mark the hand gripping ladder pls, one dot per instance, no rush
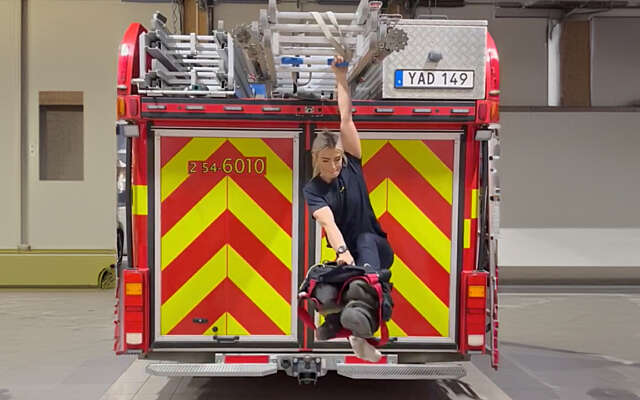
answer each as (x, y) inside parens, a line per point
(185, 65)
(291, 52)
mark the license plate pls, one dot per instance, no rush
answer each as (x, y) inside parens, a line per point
(437, 79)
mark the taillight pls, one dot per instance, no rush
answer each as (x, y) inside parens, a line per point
(121, 108)
(134, 295)
(494, 115)
(475, 304)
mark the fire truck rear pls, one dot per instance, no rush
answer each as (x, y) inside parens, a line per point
(218, 131)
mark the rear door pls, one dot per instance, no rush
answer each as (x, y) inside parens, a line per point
(225, 261)
(413, 180)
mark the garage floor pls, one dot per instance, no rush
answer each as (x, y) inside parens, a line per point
(556, 343)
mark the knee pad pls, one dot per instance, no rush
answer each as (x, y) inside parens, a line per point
(359, 318)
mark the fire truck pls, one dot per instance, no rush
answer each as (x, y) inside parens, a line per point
(218, 130)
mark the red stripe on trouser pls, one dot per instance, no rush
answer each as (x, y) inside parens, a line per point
(283, 148)
(187, 263)
(410, 320)
(388, 163)
(426, 268)
(170, 146)
(443, 149)
(259, 257)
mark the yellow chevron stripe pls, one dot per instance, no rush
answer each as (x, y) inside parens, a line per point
(423, 230)
(259, 291)
(394, 330)
(259, 223)
(474, 203)
(176, 171)
(326, 253)
(432, 169)
(420, 297)
(370, 147)
(234, 327)
(183, 233)
(467, 233)
(221, 324)
(378, 197)
(277, 171)
(180, 304)
(139, 200)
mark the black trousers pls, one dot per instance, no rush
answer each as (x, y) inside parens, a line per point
(374, 250)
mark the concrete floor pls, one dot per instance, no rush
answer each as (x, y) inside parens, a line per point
(569, 344)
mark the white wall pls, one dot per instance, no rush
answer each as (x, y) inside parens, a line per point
(72, 45)
(615, 52)
(10, 123)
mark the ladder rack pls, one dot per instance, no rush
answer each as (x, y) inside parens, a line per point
(185, 65)
(291, 52)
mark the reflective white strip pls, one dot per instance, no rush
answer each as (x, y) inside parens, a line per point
(475, 340)
(134, 338)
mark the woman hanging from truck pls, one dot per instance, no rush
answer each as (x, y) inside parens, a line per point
(338, 199)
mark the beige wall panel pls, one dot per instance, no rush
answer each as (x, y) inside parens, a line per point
(10, 123)
(72, 45)
(570, 170)
(235, 14)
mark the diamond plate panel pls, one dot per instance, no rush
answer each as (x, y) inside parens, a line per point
(222, 370)
(462, 48)
(401, 371)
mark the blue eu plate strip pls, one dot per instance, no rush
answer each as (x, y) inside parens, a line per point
(398, 78)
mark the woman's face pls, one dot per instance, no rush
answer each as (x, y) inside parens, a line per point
(329, 163)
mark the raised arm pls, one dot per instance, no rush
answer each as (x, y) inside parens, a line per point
(348, 131)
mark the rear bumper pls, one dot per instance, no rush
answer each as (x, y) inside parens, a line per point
(305, 366)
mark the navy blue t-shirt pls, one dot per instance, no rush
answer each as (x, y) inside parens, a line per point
(348, 199)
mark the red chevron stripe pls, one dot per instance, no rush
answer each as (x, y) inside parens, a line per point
(410, 320)
(187, 263)
(192, 190)
(283, 148)
(248, 314)
(196, 186)
(211, 308)
(259, 257)
(227, 297)
(388, 163)
(417, 259)
(443, 149)
(140, 240)
(267, 197)
(170, 146)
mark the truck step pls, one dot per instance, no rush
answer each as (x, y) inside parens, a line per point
(211, 369)
(401, 371)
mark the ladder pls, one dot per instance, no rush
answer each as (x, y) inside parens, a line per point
(186, 65)
(290, 53)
